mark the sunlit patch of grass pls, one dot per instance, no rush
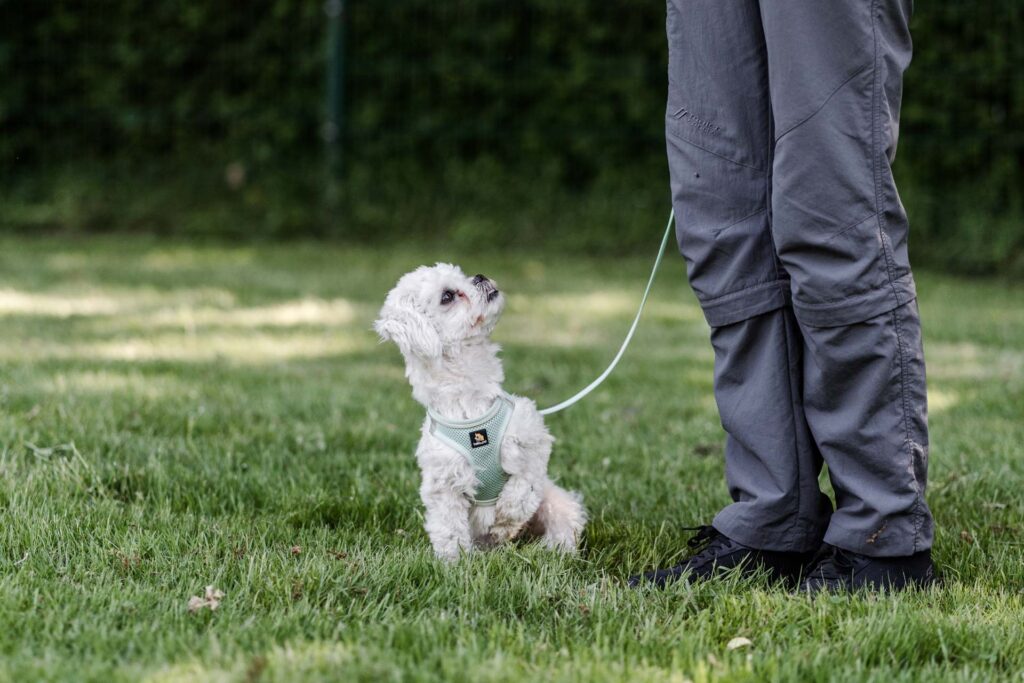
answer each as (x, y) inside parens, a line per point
(585, 320)
(966, 360)
(92, 301)
(941, 400)
(240, 347)
(174, 259)
(57, 305)
(107, 381)
(309, 311)
(601, 305)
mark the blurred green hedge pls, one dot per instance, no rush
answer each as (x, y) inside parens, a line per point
(463, 101)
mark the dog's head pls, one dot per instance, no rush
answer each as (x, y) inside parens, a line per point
(436, 309)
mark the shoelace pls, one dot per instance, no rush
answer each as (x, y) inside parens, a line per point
(835, 567)
(704, 538)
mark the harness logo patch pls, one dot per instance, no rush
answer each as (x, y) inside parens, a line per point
(478, 438)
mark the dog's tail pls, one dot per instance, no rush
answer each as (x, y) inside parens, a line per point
(560, 519)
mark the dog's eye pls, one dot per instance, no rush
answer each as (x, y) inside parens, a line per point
(447, 297)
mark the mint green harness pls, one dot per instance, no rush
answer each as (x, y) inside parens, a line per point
(480, 441)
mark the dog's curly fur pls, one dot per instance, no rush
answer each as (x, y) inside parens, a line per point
(441, 321)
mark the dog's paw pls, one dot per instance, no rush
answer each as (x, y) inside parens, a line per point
(449, 554)
(564, 545)
(487, 542)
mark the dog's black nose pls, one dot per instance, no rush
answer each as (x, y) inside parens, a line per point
(478, 278)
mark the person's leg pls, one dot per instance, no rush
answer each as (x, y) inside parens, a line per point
(772, 462)
(719, 140)
(866, 404)
(835, 70)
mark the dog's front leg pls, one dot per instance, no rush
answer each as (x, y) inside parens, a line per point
(518, 501)
(447, 521)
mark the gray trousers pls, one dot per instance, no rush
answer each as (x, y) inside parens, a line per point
(781, 126)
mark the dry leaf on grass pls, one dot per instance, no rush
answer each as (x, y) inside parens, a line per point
(211, 599)
(737, 643)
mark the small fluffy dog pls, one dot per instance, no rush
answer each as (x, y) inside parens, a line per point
(483, 453)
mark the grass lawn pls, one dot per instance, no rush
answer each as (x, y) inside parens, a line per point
(173, 417)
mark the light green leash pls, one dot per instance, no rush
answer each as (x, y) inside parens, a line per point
(629, 336)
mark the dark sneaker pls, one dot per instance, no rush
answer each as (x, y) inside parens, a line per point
(715, 551)
(843, 571)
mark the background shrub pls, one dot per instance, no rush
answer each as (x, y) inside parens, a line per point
(504, 116)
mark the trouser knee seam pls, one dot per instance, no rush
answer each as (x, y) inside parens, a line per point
(679, 136)
(739, 293)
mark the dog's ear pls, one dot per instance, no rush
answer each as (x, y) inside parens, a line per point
(402, 323)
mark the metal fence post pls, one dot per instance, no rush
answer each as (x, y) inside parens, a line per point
(334, 125)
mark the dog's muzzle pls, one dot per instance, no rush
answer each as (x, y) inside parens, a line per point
(484, 284)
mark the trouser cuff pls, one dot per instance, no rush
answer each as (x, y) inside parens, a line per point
(858, 308)
(894, 538)
(802, 537)
(746, 303)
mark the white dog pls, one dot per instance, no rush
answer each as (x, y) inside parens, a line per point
(483, 453)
